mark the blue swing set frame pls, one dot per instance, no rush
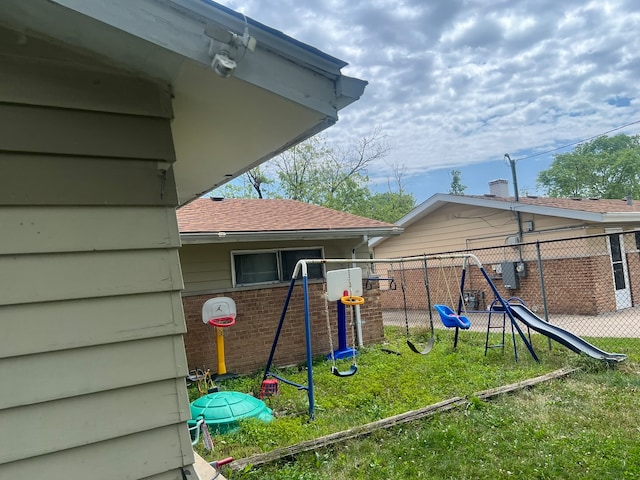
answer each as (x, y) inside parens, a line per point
(455, 319)
(301, 267)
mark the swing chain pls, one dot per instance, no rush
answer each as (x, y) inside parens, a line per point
(325, 294)
(353, 323)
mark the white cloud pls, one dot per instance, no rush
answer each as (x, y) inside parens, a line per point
(461, 82)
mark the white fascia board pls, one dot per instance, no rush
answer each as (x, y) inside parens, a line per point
(279, 64)
(440, 199)
(621, 217)
(557, 212)
(375, 241)
(227, 237)
(430, 204)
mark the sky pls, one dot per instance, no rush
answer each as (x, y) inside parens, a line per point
(456, 84)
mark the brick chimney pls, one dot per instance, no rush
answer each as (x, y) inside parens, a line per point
(499, 187)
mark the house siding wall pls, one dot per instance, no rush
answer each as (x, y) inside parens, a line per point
(90, 308)
(456, 227)
(207, 267)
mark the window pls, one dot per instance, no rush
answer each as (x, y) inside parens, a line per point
(272, 266)
(256, 268)
(291, 257)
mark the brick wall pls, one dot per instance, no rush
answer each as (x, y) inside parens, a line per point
(248, 342)
(633, 263)
(575, 286)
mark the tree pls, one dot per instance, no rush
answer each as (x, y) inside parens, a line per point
(331, 176)
(605, 167)
(253, 184)
(392, 205)
(297, 170)
(456, 188)
(258, 180)
(334, 177)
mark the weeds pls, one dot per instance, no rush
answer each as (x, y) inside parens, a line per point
(582, 427)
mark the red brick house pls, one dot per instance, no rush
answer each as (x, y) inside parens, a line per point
(246, 249)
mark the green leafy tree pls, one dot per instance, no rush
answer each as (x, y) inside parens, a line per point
(388, 206)
(392, 205)
(334, 177)
(605, 167)
(456, 187)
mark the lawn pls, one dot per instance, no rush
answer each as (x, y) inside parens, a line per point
(584, 426)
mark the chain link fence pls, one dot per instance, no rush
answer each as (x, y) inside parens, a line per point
(588, 286)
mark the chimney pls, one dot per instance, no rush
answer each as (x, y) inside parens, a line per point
(499, 187)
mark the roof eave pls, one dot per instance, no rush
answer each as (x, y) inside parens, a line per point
(621, 217)
(227, 237)
(440, 199)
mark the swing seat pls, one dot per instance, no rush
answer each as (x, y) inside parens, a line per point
(451, 319)
(346, 373)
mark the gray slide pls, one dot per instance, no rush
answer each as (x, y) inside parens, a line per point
(568, 339)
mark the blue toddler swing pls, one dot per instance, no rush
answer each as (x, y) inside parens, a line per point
(451, 319)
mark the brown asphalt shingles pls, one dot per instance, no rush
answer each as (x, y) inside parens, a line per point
(265, 215)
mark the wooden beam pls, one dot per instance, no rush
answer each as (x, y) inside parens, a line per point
(362, 430)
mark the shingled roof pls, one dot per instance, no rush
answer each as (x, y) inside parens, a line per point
(244, 216)
(595, 205)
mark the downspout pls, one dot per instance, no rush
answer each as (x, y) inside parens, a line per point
(365, 240)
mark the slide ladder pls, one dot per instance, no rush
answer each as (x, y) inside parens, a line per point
(498, 307)
(495, 326)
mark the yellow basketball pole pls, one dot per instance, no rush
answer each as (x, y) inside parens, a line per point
(222, 367)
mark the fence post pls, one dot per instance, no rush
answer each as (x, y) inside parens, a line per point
(542, 289)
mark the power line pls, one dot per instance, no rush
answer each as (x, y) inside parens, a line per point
(579, 141)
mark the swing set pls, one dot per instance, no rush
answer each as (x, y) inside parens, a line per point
(346, 289)
(349, 295)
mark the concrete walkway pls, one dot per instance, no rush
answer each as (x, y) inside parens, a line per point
(622, 324)
(204, 470)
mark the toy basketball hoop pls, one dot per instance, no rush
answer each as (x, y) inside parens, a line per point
(222, 322)
(220, 312)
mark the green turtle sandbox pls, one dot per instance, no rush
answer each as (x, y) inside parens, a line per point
(223, 410)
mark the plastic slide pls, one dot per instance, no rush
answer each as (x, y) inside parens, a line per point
(564, 337)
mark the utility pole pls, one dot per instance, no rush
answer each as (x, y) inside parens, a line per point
(512, 163)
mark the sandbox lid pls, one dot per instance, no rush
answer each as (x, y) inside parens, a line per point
(222, 410)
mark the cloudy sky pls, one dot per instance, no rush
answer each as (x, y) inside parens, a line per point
(456, 84)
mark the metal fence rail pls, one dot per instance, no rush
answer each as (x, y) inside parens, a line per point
(587, 285)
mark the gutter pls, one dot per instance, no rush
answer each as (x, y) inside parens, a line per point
(227, 237)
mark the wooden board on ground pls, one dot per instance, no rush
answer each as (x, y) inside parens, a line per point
(362, 430)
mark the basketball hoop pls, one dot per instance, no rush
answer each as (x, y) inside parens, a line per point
(222, 322)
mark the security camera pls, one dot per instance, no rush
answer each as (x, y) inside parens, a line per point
(223, 65)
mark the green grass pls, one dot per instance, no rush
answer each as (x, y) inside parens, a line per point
(564, 427)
